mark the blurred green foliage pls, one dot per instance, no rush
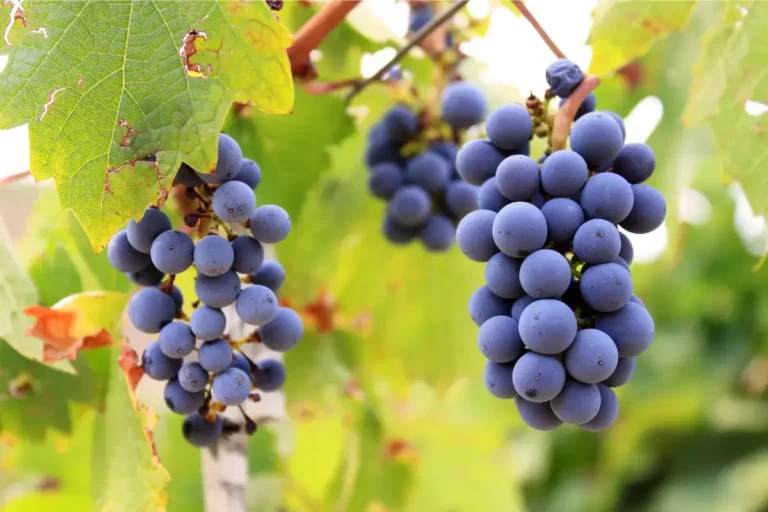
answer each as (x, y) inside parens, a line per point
(387, 409)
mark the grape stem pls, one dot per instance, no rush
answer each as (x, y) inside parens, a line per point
(538, 28)
(567, 112)
(314, 31)
(417, 38)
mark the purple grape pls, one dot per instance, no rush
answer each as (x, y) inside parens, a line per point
(607, 196)
(545, 274)
(151, 309)
(499, 340)
(215, 356)
(592, 357)
(181, 401)
(564, 173)
(157, 365)
(519, 306)
(234, 201)
(498, 379)
(123, 256)
(648, 210)
(623, 372)
(256, 305)
(200, 432)
(519, 229)
(509, 127)
(193, 377)
(631, 328)
(208, 323)
(410, 206)
(548, 326)
(484, 304)
(172, 252)
(385, 179)
(606, 287)
(461, 198)
(176, 340)
(538, 416)
(269, 375)
(271, 274)
(231, 387)
(489, 197)
(283, 332)
(270, 224)
(597, 241)
(538, 378)
(474, 235)
(438, 233)
(564, 217)
(478, 160)
(502, 276)
(248, 254)
(597, 138)
(608, 412)
(563, 76)
(635, 162)
(217, 292)
(517, 177)
(429, 171)
(463, 105)
(213, 256)
(577, 403)
(141, 234)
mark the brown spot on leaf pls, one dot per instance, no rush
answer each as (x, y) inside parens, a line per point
(55, 328)
(130, 132)
(322, 311)
(20, 386)
(129, 362)
(189, 50)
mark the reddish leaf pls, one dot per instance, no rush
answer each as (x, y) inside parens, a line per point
(129, 362)
(57, 330)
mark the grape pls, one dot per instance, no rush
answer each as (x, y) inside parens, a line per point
(623, 264)
(270, 224)
(461, 198)
(606, 287)
(429, 171)
(181, 401)
(123, 256)
(474, 235)
(564, 173)
(588, 105)
(597, 138)
(648, 210)
(484, 304)
(545, 274)
(636, 300)
(445, 149)
(631, 328)
(208, 323)
(200, 432)
(213, 256)
(509, 127)
(538, 378)
(283, 332)
(241, 362)
(438, 233)
(380, 151)
(519, 306)
(250, 173)
(157, 365)
(172, 252)
(608, 412)
(607, 196)
(462, 105)
(271, 275)
(176, 340)
(498, 379)
(215, 356)
(178, 298)
(385, 179)
(148, 276)
(141, 234)
(577, 403)
(397, 233)
(410, 206)
(597, 241)
(564, 217)
(547, 326)
(635, 162)
(231, 387)
(256, 305)
(478, 160)
(623, 372)
(563, 76)
(519, 229)
(502, 276)
(538, 416)
(234, 201)
(616, 117)
(150, 309)
(499, 340)
(627, 252)
(269, 375)
(193, 377)
(187, 176)
(400, 124)
(489, 197)
(420, 16)
(517, 177)
(539, 200)
(217, 292)
(592, 357)
(230, 158)
(248, 255)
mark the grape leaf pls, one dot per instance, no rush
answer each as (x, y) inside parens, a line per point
(622, 31)
(731, 71)
(118, 94)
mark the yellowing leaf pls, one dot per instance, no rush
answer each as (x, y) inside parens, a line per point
(622, 31)
(118, 94)
(77, 322)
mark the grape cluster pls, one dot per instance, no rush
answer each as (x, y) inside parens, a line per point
(425, 193)
(559, 324)
(204, 369)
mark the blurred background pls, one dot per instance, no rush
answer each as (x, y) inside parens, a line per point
(384, 409)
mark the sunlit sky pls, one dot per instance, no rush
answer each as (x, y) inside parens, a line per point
(513, 55)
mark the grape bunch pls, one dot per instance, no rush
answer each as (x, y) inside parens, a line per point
(559, 324)
(424, 190)
(205, 370)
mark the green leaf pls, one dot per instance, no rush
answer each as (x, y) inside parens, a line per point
(55, 276)
(16, 293)
(623, 31)
(127, 473)
(36, 397)
(293, 151)
(729, 72)
(117, 94)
